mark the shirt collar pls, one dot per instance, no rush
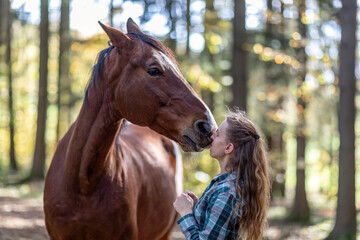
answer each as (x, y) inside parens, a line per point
(231, 175)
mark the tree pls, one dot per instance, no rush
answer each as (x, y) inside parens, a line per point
(38, 166)
(112, 11)
(64, 85)
(300, 210)
(188, 28)
(275, 81)
(210, 23)
(345, 224)
(8, 61)
(239, 61)
(171, 9)
(2, 22)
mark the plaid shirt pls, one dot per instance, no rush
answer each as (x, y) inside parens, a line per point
(213, 216)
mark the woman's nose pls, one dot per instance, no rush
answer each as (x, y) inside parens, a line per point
(213, 137)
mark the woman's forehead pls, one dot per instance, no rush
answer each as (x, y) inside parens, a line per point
(223, 126)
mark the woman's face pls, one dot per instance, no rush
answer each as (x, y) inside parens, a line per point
(219, 144)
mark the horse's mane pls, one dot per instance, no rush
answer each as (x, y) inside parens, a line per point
(98, 67)
(97, 70)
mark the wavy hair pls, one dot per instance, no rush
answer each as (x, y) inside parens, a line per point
(249, 160)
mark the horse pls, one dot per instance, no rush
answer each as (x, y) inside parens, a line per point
(113, 173)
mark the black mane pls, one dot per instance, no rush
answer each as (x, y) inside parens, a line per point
(97, 69)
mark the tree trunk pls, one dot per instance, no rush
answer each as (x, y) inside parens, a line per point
(345, 224)
(268, 30)
(239, 61)
(301, 211)
(13, 163)
(171, 39)
(38, 167)
(210, 23)
(111, 14)
(188, 28)
(64, 84)
(2, 22)
(2, 40)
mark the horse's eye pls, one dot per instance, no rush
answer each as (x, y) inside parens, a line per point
(155, 72)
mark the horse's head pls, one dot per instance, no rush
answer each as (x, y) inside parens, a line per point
(148, 89)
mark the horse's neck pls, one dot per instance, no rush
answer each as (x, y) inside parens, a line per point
(91, 144)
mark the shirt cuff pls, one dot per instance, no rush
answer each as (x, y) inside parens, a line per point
(187, 223)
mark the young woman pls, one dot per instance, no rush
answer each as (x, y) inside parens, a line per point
(234, 204)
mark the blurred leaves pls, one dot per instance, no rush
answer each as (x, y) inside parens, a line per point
(272, 85)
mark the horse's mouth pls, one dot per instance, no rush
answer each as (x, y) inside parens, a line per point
(190, 143)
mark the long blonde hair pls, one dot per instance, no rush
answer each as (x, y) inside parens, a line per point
(249, 160)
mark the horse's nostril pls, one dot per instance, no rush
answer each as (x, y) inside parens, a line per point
(203, 127)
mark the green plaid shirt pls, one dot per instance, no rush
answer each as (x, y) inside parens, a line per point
(213, 216)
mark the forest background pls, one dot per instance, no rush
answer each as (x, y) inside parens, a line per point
(291, 64)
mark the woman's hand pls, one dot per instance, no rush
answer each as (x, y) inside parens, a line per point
(193, 196)
(184, 204)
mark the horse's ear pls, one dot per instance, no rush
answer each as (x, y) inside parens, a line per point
(117, 38)
(132, 27)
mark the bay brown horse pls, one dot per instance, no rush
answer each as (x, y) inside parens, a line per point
(107, 181)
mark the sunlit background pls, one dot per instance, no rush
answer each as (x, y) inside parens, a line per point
(273, 64)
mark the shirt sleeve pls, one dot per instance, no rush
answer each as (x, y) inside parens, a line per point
(217, 222)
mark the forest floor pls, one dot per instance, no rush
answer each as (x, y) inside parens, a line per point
(22, 217)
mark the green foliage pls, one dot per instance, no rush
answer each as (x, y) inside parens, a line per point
(199, 169)
(272, 92)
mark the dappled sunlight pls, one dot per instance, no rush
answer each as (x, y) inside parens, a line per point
(22, 217)
(280, 227)
(290, 69)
